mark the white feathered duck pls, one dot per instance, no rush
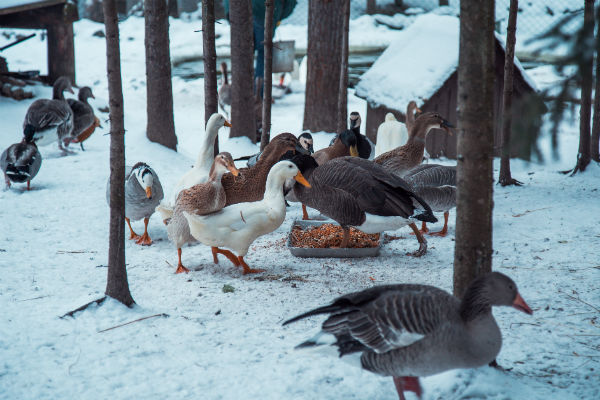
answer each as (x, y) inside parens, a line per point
(393, 133)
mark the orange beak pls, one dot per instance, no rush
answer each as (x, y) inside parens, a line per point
(301, 179)
(520, 305)
(149, 192)
(233, 169)
(227, 124)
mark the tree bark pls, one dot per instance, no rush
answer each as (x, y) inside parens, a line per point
(371, 7)
(211, 99)
(61, 51)
(268, 84)
(473, 245)
(159, 102)
(595, 144)
(509, 67)
(117, 286)
(325, 32)
(342, 114)
(242, 71)
(443, 2)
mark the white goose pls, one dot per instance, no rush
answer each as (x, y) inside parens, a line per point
(201, 169)
(393, 133)
(238, 225)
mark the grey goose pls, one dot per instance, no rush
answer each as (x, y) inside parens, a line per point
(85, 121)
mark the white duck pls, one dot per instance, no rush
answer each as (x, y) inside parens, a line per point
(201, 169)
(238, 225)
(393, 133)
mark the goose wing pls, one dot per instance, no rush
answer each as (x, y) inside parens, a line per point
(44, 114)
(431, 175)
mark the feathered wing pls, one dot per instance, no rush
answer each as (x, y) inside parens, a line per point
(431, 175)
(83, 116)
(46, 114)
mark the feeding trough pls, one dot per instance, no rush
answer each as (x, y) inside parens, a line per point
(301, 246)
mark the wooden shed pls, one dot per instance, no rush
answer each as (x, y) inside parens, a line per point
(56, 17)
(422, 65)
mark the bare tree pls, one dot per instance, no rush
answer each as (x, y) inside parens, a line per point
(509, 67)
(159, 102)
(342, 114)
(209, 55)
(473, 246)
(268, 84)
(242, 56)
(325, 35)
(595, 143)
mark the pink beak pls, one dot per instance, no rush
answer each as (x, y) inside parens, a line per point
(520, 305)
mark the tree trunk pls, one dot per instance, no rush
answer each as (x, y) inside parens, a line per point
(342, 114)
(61, 51)
(211, 99)
(116, 286)
(268, 84)
(585, 112)
(473, 245)
(371, 7)
(595, 144)
(443, 2)
(509, 67)
(159, 102)
(242, 71)
(325, 32)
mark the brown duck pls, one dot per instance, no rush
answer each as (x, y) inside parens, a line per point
(403, 158)
(412, 111)
(250, 184)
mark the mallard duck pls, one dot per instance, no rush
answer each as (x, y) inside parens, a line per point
(143, 192)
(224, 90)
(238, 225)
(20, 163)
(344, 145)
(403, 158)
(84, 120)
(357, 192)
(408, 331)
(201, 169)
(250, 184)
(201, 199)
(47, 121)
(436, 184)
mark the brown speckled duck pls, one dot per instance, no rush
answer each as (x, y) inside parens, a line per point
(201, 199)
(84, 120)
(403, 158)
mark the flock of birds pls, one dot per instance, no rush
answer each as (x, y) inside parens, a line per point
(404, 331)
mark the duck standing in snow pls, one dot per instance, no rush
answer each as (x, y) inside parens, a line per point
(237, 226)
(47, 121)
(201, 199)
(84, 120)
(20, 163)
(143, 192)
(408, 331)
(390, 134)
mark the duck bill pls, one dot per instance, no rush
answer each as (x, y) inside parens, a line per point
(353, 151)
(149, 192)
(227, 124)
(233, 170)
(446, 126)
(520, 305)
(301, 179)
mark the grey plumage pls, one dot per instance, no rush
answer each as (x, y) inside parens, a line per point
(436, 184)
(21, 162)
(83, 113)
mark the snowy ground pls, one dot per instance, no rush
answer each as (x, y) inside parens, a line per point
(216, 345)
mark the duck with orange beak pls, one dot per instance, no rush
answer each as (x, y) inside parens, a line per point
(143, 192)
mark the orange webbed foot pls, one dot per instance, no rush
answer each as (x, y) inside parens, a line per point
(144, 240)
(247, 269)
(180, 269)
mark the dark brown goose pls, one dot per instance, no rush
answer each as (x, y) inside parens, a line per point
(46, 120)
(20, 163)
(436, 184)
(84, 120)
(250, 184)
(344, 144)
(359, 193)
(403, 158)
(409, 331)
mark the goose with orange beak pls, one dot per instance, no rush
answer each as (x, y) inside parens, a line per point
(236, 227)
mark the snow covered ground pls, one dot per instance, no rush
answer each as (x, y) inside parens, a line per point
(216, 345)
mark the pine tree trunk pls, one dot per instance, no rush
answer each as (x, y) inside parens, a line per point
(117, 286)
(159, 102)
(268, 84)
(243, 119)
(325, 35)
(595, 144)
(585, 112)
(473, 246)
(342, 114)
(509, 67)
(211, 99)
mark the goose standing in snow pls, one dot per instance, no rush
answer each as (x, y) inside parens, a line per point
(224, 90)
(85, 121)
(143, 192)
(359, 193)
(201, 199)
(408, 331)
(201, 169)
(20, 163)
(48, 121)
(237, 226)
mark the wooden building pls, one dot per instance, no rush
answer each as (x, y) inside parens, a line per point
(56, 17)
(422, 65)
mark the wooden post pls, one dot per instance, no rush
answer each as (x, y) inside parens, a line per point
(61, 51)
(268, 84)
(342, 115)
(371, 6)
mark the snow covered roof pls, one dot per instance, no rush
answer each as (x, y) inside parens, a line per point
(416, 64)
(9, 6)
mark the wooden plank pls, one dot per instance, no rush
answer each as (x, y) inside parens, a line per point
(61, 52)
(42, 17)
(26, 6)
